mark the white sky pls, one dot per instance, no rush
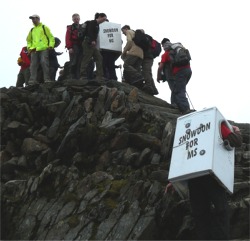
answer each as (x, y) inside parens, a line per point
(216, 32)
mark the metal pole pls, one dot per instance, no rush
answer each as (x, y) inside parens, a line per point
(190, 100)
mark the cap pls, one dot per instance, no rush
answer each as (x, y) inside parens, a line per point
(34, 16)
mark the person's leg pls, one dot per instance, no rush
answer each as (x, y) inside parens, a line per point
(131, 72)
(20, 79)
(149, 86)
(26, 74)
(179, 92)
(88, 54)
(221, 222)
(98, 60)
(78, 61)
(200, 205)
(171, 84)
(34, 64)
(44, 60)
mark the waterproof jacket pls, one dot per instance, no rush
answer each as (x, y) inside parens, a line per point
(165, 58)
(71, 37)
(92, 31)
(25, 58)
(131, 48)
(40, 38)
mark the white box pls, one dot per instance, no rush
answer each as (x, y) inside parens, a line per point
(110, 37)
(198, 150)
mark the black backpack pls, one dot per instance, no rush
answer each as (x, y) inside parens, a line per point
(82, 30)
(155, 48)
(141, 40)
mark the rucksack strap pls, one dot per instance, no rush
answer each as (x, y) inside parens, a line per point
(43, 31)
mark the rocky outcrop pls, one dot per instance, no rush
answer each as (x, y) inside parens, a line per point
(89, 161)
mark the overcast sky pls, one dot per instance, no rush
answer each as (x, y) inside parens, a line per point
(216, 32)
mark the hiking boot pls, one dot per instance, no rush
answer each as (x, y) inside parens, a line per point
(147, 89)
(188, 111)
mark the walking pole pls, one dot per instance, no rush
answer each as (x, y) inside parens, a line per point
(121, 71)
(190, 100)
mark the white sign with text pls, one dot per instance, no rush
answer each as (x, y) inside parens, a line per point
(198, 149)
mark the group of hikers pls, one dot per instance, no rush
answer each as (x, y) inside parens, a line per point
(38, 60)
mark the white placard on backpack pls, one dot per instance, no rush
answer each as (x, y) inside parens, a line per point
(198, 149)
(110, 36)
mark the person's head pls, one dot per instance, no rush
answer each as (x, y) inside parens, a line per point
(165, 40)
(125, 28)
(35, 19)
(165, 43)
(100, 17)
(76, 18)
(57, 42)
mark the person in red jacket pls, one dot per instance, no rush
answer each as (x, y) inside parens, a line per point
(24, 73)
(74, 46)
(177, 77)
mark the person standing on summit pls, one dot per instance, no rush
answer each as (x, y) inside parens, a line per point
(39, 41)
(90, 49)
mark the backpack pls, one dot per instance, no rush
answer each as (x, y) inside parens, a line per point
(82, 30)
(155, 48)
(141, 40)
(179, 55)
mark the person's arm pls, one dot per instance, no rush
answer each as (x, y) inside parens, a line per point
(68, 40)
(159, 72)
(233, 137)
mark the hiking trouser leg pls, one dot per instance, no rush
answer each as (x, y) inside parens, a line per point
(20, 79)
(75, 61)
(221, 221)
(87, 55)
(181, 79)
(132, 65)
(26, 74)
(52, 72)
(44, 60)
(171, 84)
(34, 64)
(147, 64)
(98, 59)
(200, 205)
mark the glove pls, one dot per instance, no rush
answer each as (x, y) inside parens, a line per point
(19, 61)
(235, 140)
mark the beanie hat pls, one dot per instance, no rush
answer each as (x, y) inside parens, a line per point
(165, 40)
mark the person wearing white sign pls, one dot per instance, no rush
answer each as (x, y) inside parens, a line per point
(212, 223)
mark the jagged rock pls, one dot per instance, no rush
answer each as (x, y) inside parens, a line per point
(89, 160)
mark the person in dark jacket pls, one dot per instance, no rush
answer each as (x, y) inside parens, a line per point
(90, 49)
(53, 61)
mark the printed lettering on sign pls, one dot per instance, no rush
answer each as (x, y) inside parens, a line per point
(191, 139)
(110, 34)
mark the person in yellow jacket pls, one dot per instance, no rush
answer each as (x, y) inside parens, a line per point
(39, 41)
